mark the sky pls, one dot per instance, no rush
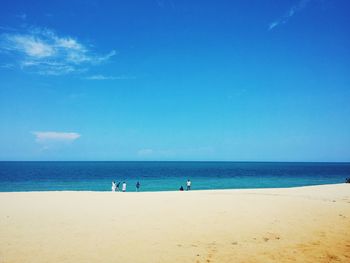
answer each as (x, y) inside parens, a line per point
(167, 80)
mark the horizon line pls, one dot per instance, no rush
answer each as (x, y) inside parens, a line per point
(174, 161)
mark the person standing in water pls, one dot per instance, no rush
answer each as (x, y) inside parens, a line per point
(188, 184)
(113, 186)
(117, 187)
(138, 186)
(124, 187)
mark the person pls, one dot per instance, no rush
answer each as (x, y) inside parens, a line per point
(188, 184)
(117, 186)
(138, 186)
(113, 186)
(181, 188)
(124, 187)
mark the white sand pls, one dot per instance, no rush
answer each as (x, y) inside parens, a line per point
(306, 224)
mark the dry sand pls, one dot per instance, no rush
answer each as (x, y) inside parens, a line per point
(306, 224)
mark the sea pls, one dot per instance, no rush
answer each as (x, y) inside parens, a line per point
(166, 176)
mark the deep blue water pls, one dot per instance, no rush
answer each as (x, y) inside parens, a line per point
(164, 176)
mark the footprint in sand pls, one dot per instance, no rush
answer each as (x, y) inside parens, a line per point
(332, 257)
(271, 236)
(342, 216)
(212, 250)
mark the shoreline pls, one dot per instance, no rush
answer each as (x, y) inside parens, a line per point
(173, 191)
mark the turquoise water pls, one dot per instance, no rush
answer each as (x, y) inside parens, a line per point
(165, 176)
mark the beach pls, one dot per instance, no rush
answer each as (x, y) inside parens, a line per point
(302, 224)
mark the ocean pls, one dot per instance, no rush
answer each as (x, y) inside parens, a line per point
(165, 176)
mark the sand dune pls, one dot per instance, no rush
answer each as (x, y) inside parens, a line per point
(306, 224)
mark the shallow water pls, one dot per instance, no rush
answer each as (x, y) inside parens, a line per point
(165, 176)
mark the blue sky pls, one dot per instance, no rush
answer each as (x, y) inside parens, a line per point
(175, 80)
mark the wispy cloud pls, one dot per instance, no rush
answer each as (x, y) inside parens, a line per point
(53, 136)
(291, 12)
(165, 4)
(172, 153)
(7, 66)
(45, 52)
(7, 28)
(145, 152)
(22, 16)
(103, 77)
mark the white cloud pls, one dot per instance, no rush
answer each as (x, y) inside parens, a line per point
(145, 152)
(44, 52)
(105, 57)
(291, 12)
(53, 136)
(172, 153)
(103, 77)
(31, 46)
(272, 25)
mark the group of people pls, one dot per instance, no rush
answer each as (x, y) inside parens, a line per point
(115, 186)
(188, 185)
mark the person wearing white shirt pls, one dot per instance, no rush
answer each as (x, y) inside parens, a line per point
(124, 187)
(113, 186)
(188, 185)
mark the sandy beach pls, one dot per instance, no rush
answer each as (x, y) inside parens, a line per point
(305, 224)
